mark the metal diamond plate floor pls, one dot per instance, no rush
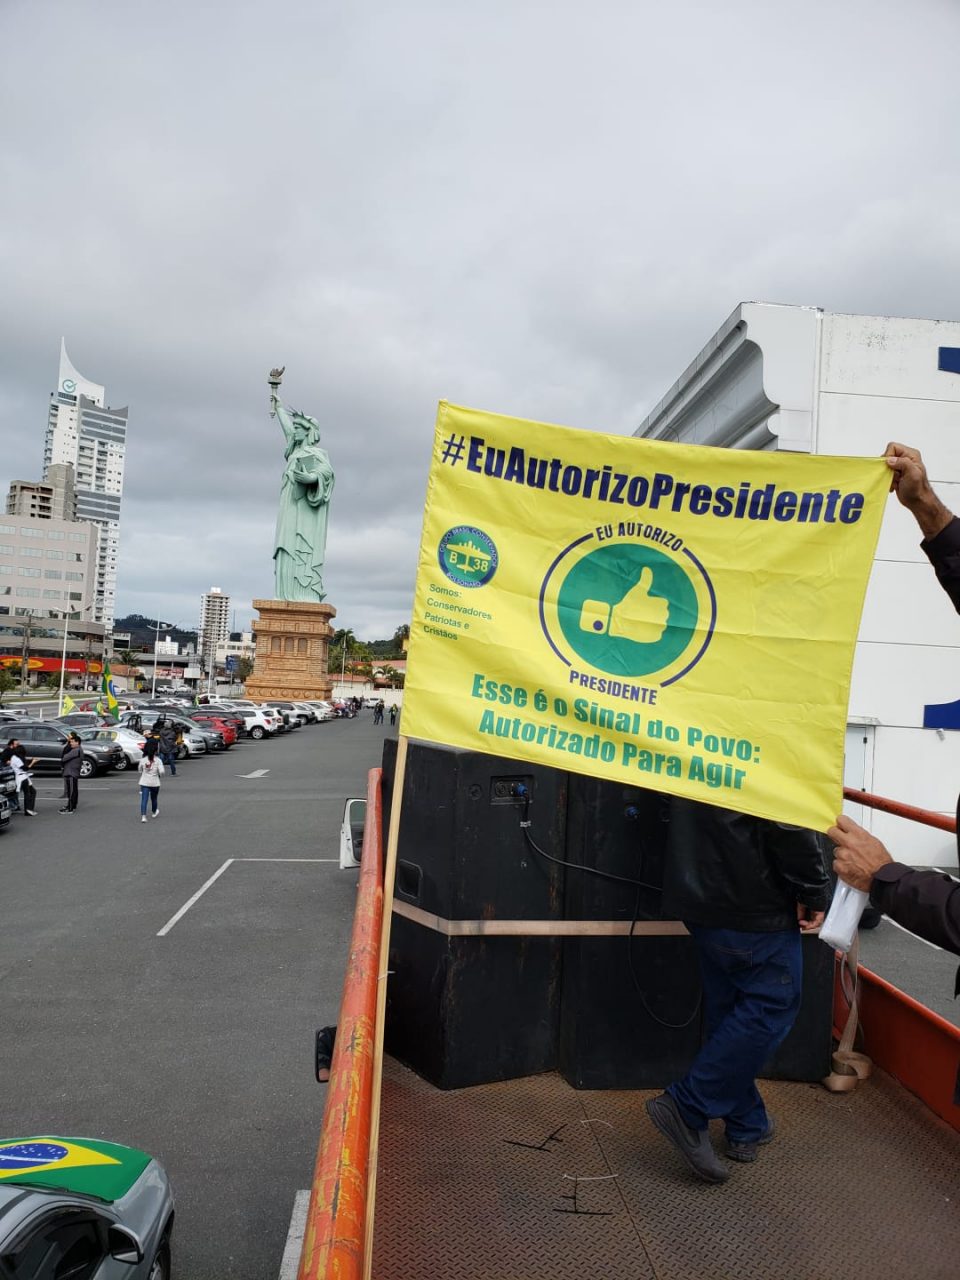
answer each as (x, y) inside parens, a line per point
(532, 1178)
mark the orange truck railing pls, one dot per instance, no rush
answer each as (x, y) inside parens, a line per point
(909, 1041)
(334, 1234)
(915, 1045)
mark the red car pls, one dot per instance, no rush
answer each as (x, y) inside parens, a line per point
(228, 730)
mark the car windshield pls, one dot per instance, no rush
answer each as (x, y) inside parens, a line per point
(98, 735)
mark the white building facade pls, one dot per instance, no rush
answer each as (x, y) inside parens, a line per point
(804, 380)
(83, 431)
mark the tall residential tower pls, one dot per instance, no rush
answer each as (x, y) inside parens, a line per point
(82, 431)
(214, 623)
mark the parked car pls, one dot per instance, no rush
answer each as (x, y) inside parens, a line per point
(83, 1208)
(131, 743)
(208, 720)
(261, 724)
(84, 720)
(8, 783)
(216, 711)
(292, 712)
(324, 710)
(44, 742)
(6, 813)
(212, 737)
(309, 710)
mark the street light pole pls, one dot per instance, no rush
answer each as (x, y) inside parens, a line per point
(67, 615)
(63, 659)
(156, 647)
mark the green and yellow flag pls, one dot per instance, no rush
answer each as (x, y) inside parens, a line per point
(68, 705)
(670, 616)
(111, 708)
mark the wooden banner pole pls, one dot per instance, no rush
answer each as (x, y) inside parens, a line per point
(389, 875)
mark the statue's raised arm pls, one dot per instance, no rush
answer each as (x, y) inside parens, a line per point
(277, 408)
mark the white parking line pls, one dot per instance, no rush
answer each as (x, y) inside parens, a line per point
(294, 1246)
(187, 905)
(216, 876)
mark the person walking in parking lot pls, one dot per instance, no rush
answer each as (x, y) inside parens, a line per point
(168, 746)
(15, 756)
(151, 771)
(70, 761)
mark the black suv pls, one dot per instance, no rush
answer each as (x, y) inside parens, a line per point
(45, 742)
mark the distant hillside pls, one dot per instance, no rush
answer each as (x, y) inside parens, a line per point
(143, 632)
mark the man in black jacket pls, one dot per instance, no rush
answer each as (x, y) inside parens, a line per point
(745, 888)
(925, 902)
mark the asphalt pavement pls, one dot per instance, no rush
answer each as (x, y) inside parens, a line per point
(196, 1046)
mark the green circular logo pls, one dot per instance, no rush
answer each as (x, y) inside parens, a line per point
(627, 609)
(468, 556)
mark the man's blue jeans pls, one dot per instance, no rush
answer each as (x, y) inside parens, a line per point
(751, 997)
(169, 759)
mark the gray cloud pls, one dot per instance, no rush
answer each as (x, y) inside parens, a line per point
(539, 209)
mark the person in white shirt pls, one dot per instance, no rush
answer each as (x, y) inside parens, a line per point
(16, 757)
(151, 771)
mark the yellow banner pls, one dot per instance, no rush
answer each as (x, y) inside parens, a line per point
(669, 616)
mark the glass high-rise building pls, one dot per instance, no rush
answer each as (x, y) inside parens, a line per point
(83, 431)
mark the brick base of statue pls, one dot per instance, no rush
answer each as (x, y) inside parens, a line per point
(291, 654)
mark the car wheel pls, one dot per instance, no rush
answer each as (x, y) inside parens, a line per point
(160, 1267)
(120, 765)
(87, 767)
(257, 731)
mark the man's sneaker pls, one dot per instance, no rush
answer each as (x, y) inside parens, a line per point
(156, 813)
(693, 1144)
(63, 810)
(31, 813)
(143, 817)
(746, 1152)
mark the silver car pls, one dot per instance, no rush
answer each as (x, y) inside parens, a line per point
(83, 1208)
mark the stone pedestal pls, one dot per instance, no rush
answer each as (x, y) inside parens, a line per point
(291, 655)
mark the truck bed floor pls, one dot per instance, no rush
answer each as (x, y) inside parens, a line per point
(532, 1178)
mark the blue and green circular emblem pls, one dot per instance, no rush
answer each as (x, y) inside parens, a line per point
(628, 609)
(468, 556)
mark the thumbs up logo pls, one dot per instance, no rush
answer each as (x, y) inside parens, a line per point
(639, 616)
(627, 609)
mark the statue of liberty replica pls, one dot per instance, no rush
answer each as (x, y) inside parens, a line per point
(293, 629)
(305, 492)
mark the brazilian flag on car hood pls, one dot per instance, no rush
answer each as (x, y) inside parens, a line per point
(81, 1165)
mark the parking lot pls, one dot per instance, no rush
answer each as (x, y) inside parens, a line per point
(196, 1045)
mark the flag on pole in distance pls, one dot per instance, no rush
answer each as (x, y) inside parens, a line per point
(68, 705)
(662, 615)
(109, 696)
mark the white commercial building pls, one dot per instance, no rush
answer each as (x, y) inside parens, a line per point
(92, 437)
(805, 380)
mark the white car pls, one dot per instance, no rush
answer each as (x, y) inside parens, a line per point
(130, 742)
(324, 710)
(309, 710)
(259, 723)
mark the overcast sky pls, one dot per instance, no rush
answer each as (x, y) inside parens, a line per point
(542, 209)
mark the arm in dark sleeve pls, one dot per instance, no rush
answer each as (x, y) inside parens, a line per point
(797, 856)
(925, 902)
(943, 552)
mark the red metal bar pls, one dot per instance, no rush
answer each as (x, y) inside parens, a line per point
(906, 1039)
(926, 816)
(333, 1240)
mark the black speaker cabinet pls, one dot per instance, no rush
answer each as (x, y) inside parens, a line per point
(464, 1007)
(630, 1006)
(806, 1052)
